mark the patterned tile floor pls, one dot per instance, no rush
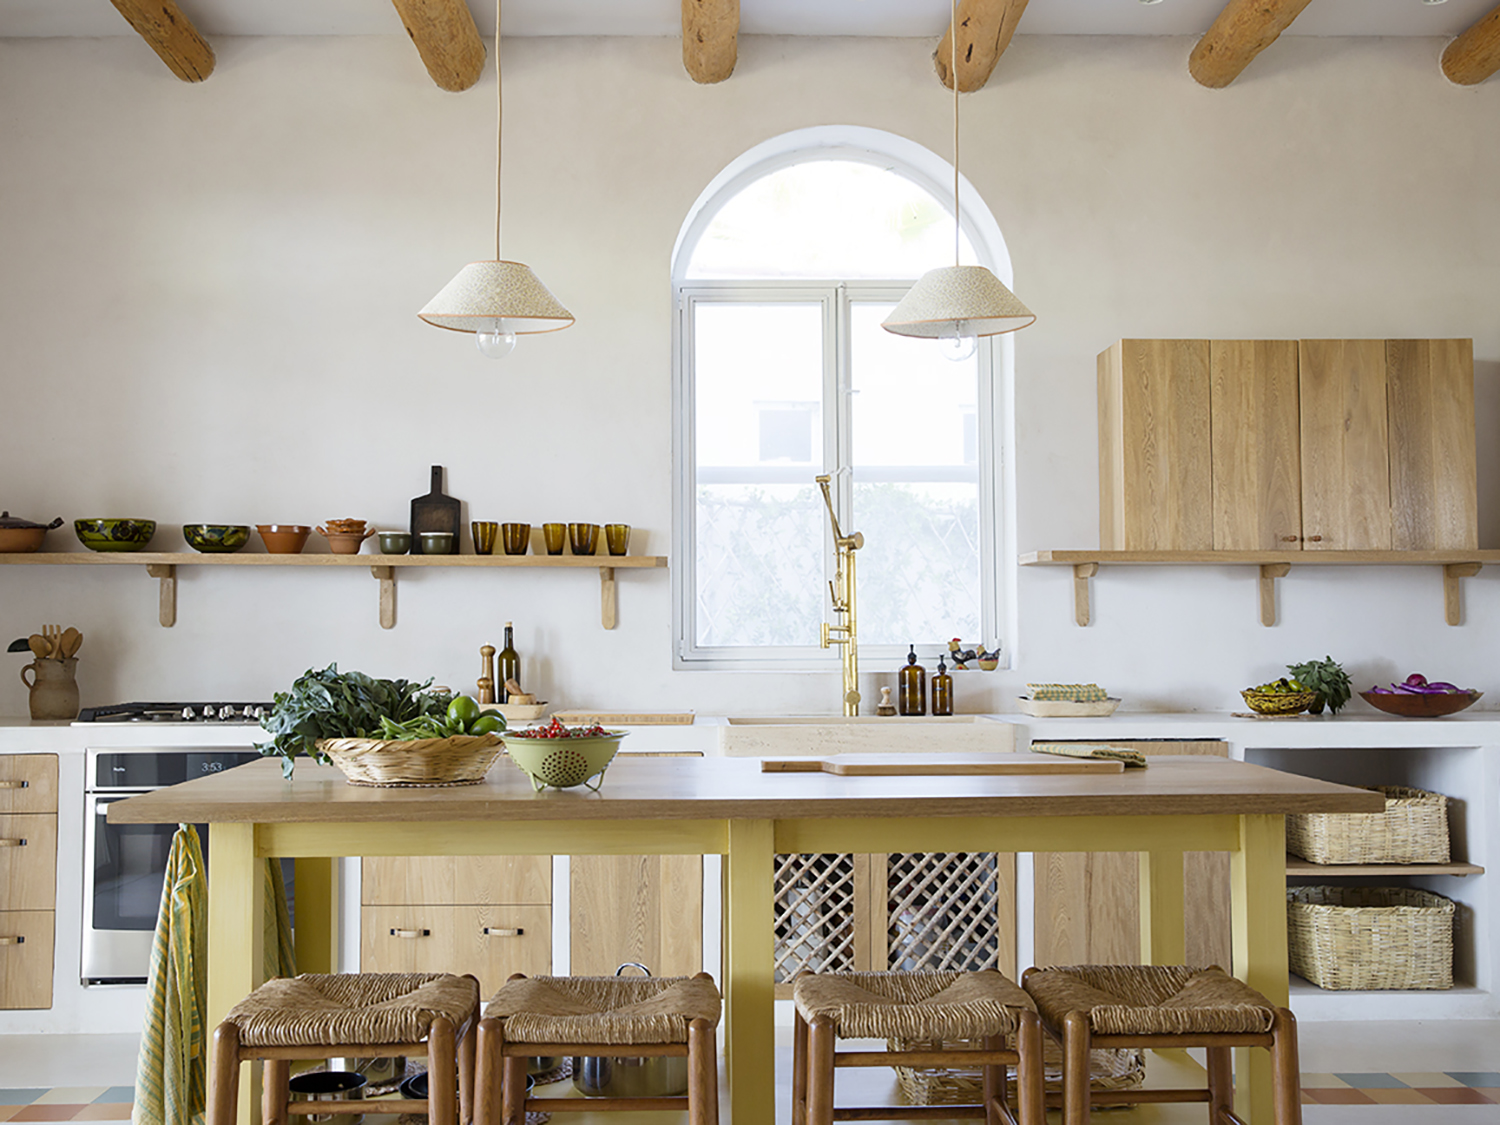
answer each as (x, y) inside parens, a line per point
(67, 1103)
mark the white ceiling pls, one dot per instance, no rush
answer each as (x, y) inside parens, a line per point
(916, 18)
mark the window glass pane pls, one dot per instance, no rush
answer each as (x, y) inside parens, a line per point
(916, 486)
(758, 386)
(828, 219)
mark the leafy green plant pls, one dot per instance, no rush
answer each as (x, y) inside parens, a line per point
(1327, 678)
(334, 704)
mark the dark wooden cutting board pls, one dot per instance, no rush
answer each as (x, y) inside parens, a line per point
(434, 512)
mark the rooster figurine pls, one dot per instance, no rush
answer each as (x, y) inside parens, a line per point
(989, 660)
(960, 655)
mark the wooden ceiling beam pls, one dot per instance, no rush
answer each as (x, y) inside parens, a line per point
(1474, 55)
(1243, 30)
(444, 34)
(171, 35)
(710, 38)
(984, 30)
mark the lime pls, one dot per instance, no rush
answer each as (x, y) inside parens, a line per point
(462, 711)
(488, 723)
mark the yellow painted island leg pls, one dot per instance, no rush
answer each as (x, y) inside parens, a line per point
(749, 969)
(1163, 909)
(317, 930)
(1258, 882)
(236, 936)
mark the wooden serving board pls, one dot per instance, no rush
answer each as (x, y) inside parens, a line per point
(894, 765)
(666, 719)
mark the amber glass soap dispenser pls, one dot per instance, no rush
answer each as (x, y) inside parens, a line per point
(942, 690)
(911, 696)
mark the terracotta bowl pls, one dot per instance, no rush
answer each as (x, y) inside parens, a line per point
(283, 538)
(15, 540)
(345, 542)
(1420, 706)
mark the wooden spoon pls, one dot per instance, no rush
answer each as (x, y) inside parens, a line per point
(71, 639)
(38, 644)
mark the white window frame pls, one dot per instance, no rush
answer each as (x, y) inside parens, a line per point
(998, 579)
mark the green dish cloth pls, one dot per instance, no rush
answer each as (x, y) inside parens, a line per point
(1077, 693)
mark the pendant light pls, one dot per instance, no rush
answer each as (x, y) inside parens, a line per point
(957, 304)
(496, 300)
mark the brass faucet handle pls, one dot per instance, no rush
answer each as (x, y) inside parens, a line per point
(825, 642)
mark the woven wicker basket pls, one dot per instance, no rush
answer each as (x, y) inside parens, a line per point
(1370, 937)
(463, 760)
(964, 1085)
(1413, 829)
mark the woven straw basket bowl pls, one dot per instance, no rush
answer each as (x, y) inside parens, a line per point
(462, 760)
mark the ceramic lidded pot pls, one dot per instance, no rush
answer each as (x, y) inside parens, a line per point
(18, 535)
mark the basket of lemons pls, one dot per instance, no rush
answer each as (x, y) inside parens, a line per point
(1279, 697)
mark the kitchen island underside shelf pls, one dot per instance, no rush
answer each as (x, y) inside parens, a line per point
(163, 566)
(1455, 566)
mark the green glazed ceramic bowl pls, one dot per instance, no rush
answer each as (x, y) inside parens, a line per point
(114, 534)
(216, 538)
(564, 762)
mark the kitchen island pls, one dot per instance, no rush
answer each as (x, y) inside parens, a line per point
(729, 807)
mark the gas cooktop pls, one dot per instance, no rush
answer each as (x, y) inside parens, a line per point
(175, 713)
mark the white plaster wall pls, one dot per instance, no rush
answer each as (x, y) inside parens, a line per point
(208, 296)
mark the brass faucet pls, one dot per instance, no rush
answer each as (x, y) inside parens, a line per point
(841, 591)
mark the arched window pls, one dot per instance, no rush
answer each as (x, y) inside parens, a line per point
(782, 274)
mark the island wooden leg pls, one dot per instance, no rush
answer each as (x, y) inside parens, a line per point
(1258, 882)
(236, 935)
(749, 967)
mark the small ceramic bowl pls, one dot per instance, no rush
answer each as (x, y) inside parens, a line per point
(345, 542)
(395, 542)
(216, 538)
(114, 534)
(436, 542)
(284, 538)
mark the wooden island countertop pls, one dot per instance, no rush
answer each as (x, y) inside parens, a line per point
(728, 807)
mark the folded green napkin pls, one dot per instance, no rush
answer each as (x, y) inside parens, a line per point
(1078, 693)
(1132, 759)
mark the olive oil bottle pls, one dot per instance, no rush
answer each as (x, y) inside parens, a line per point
(510, 666)
(911, 693)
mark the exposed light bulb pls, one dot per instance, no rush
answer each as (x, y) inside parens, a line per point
(955, 346)
(495, 341)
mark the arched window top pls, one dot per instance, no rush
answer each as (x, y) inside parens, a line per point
(834, 202)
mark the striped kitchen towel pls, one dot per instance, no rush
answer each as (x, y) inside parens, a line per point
(1133, 759)
(1078, 693)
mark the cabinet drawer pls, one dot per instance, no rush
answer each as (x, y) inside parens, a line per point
(441, 880)
(28, 862)
(492, 942)
(25, 958)
(28, 783)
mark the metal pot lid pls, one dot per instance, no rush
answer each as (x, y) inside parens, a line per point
(8, 522)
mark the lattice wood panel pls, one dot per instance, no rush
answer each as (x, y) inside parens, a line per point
(944, 911)
(815, 914)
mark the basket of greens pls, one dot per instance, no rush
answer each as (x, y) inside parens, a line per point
(383, 732)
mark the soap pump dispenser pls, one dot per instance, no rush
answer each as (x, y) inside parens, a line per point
(942, 690)
(911, 697)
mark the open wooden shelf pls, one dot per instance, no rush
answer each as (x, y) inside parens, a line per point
(163, 565)
(1455, 565)
(1295, 865)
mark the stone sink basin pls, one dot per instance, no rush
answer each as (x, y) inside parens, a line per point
(772, 736)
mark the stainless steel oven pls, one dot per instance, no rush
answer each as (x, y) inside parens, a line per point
(125, 864)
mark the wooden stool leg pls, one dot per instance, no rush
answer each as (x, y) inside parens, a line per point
(442, 1073)
(1076, 1037)
(1220, 1082)
(513, 1090)
(994, 1083)
(224, 1077)
(1031, 1077)
(466, 1054)
(703, 1074)
(274, 1092)
(489, 1040)
(1285, 1079)
(799, 1069)
(820, 1046)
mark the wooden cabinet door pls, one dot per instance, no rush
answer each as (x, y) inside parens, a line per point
(28, 862)
(1087, 904)
(1346, 491)
(484, 879)
(26, 958)
(492, 942)
(28, 783)
(1257, 474)
(1155, 459)
(1430, 397)
(641, 908)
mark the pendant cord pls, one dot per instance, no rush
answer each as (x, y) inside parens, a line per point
(953, 75)
(500, 113)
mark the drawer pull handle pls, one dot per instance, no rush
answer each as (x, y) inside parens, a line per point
(13, 843)
(15, 784)
(18, 939)
(496, 931)
(411, 933)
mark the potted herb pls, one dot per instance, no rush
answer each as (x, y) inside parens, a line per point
(1328, 679)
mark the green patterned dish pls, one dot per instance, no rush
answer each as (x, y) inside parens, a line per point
(216, 538)
(115, 534)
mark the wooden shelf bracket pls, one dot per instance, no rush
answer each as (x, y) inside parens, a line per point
(608, 605)
(1082, 572)
(1269, 572)
(386, 575)
(167, 611)
(1453, 608)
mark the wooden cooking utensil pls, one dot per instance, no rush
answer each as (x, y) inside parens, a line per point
(38, 644)
(52, 634)
(71, 639)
